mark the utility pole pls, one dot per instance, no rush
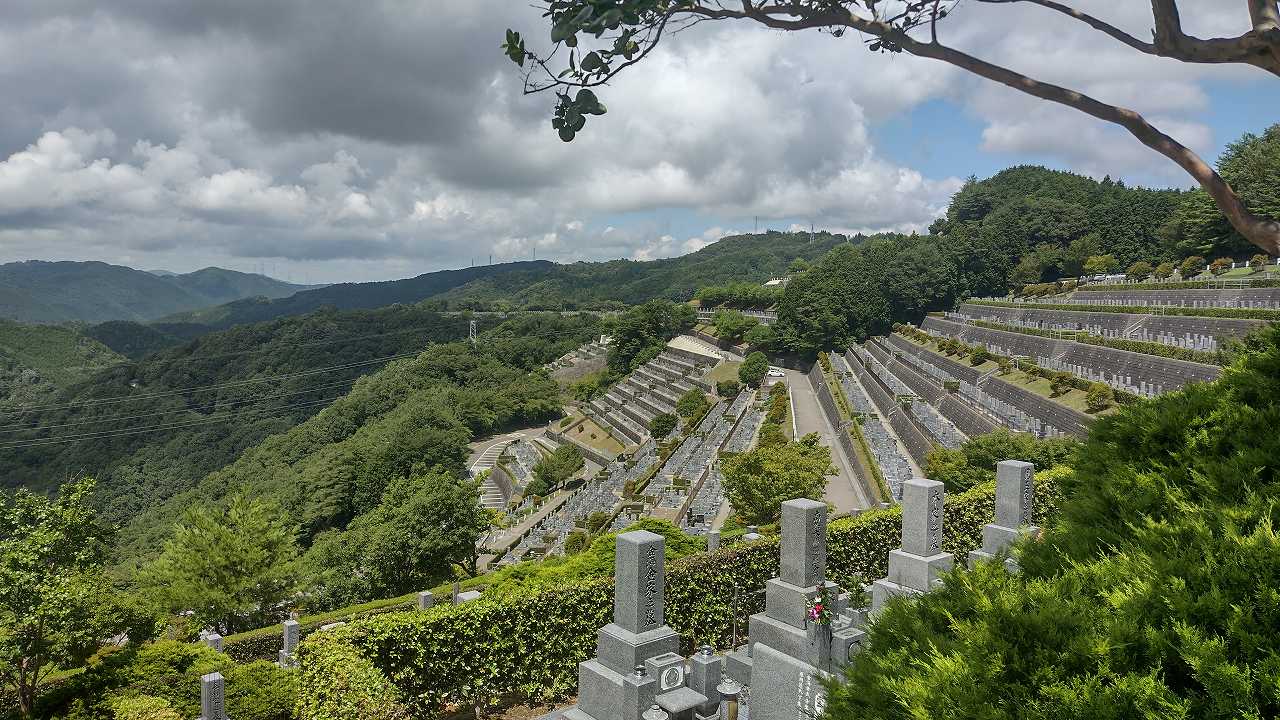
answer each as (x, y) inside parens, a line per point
(810, 232)
(472, 337)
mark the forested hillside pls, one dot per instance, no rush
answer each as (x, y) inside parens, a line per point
(37, 361)
(152, 428)
(545, 285)
(55, 292)
(349, 296)
(740, 258)
(393, 446)
(1023, 225)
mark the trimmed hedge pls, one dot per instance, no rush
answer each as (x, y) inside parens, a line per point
(1154, 348)
(1139, 346)
(1184, 285)
(1235, 313)
(495, 651)
(265, 643)
(339, 683)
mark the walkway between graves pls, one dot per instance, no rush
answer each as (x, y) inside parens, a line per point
(844, 491)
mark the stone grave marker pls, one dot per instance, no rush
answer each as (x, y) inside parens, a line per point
(292, 634)
(426, 600)
(213, 697)
(917, 565)
(1015, 501)
(790, 651)
(637, 664)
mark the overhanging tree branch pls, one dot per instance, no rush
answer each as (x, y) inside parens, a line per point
(1259, 47)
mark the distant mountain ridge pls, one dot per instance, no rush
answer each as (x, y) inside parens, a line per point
(545, 285)
(38, 291)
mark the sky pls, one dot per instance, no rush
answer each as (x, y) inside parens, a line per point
(365, 140)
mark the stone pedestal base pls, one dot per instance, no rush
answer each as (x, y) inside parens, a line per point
(883, 590)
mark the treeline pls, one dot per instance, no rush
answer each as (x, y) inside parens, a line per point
(743, 294)
(1023, 226)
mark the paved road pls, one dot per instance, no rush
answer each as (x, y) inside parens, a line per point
(844, 490)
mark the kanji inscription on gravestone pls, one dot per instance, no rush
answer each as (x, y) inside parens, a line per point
(811, 698)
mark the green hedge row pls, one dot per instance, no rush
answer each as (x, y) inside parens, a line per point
(496, 651)
(339, 683)
(1234, 313)
(1155, 348)
(1184, 285)
(265, 643)
(1139, 346)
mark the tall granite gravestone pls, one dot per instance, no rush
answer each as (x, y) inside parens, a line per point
(789, 653)
(636, 663)
(292, 634)
(213, 697)
(916, 566)
(1015, 501)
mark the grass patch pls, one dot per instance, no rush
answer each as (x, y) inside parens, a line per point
(726, 370)
(582, 430)
(1073, 398)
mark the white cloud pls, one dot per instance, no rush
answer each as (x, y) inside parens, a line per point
(380, 142)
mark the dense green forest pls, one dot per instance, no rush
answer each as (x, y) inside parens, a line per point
(151, 428)
(350, 478)
(37, 361)
(55, 292)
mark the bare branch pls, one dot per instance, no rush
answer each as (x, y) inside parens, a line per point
(1089, 20)
(1260, 46)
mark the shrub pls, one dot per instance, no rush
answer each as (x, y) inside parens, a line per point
(1191, 267)
(1163, 270)
(1140, 270)
(1060, 383)
(1099, 398)
(662, 424)
(728, 388)
(979, 356)
(1153, 595)
(1006, 366)
(1221, 265)
(1259, 261)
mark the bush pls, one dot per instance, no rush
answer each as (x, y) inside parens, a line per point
(1259, 261)
(1163, 270)
(662, 424)
(1221, 265)
(979, 356)
(753, 369)
(1006, 366)
(527, 647)
(1099, 398)
(161, 680)
(1060, 383)
(1191, 267)
(1140, 270)
(728, 388)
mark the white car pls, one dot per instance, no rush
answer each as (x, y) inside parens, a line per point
(775, 372)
